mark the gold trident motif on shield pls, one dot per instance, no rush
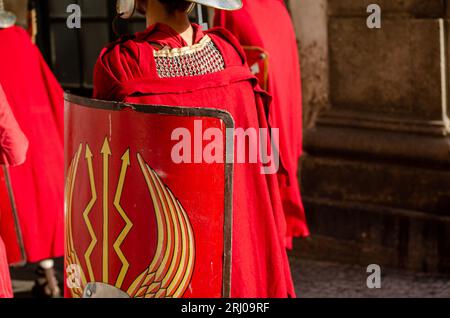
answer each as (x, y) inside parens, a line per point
(171, 269)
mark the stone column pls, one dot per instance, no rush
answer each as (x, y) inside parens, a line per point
(376, 177)
(310, 21)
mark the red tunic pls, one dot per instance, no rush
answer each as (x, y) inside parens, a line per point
(5, 280)
(36, 100)
(13, 148)
(126, 71)
(250, 26)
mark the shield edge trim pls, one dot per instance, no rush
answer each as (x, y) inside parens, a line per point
(229, 167)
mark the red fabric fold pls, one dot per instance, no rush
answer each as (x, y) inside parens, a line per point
(13, 143)
(5, 279)
(278, 39)
(13, 148)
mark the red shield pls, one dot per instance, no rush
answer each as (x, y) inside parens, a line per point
(136, 220)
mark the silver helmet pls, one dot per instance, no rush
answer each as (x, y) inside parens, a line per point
(7, 19)
(220, 4)
(126, 8)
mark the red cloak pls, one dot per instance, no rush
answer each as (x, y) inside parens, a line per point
(13, 148)
(126, 71)
(250, 25)
(5, 280)
(36, 100)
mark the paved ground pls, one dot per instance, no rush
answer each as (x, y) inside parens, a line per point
(315, 279)
(23, 278)
(331, 280)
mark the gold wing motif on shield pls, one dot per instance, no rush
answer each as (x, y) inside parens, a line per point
(170, 271)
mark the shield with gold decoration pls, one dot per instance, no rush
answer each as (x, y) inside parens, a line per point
(148, 201)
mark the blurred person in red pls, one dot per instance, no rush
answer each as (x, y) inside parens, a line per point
(13, 149)
(272, 54)
(207, 69)
(36, 99)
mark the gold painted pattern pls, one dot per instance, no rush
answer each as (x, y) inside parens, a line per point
(171, 268)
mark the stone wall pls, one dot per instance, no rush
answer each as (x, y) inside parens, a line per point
(376, 176)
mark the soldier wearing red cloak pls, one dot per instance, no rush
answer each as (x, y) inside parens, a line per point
(13, 148)
(272, 54)
(36, 99)
(175, 63)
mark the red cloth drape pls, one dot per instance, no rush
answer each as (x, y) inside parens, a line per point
(13, 143)
(36, 100)
(5, 280)
(252, 28)
(13, 148)
(126, 71)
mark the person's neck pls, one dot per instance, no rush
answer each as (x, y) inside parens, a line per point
(178, 21)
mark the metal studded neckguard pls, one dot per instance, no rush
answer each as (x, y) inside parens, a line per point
(199, 59)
